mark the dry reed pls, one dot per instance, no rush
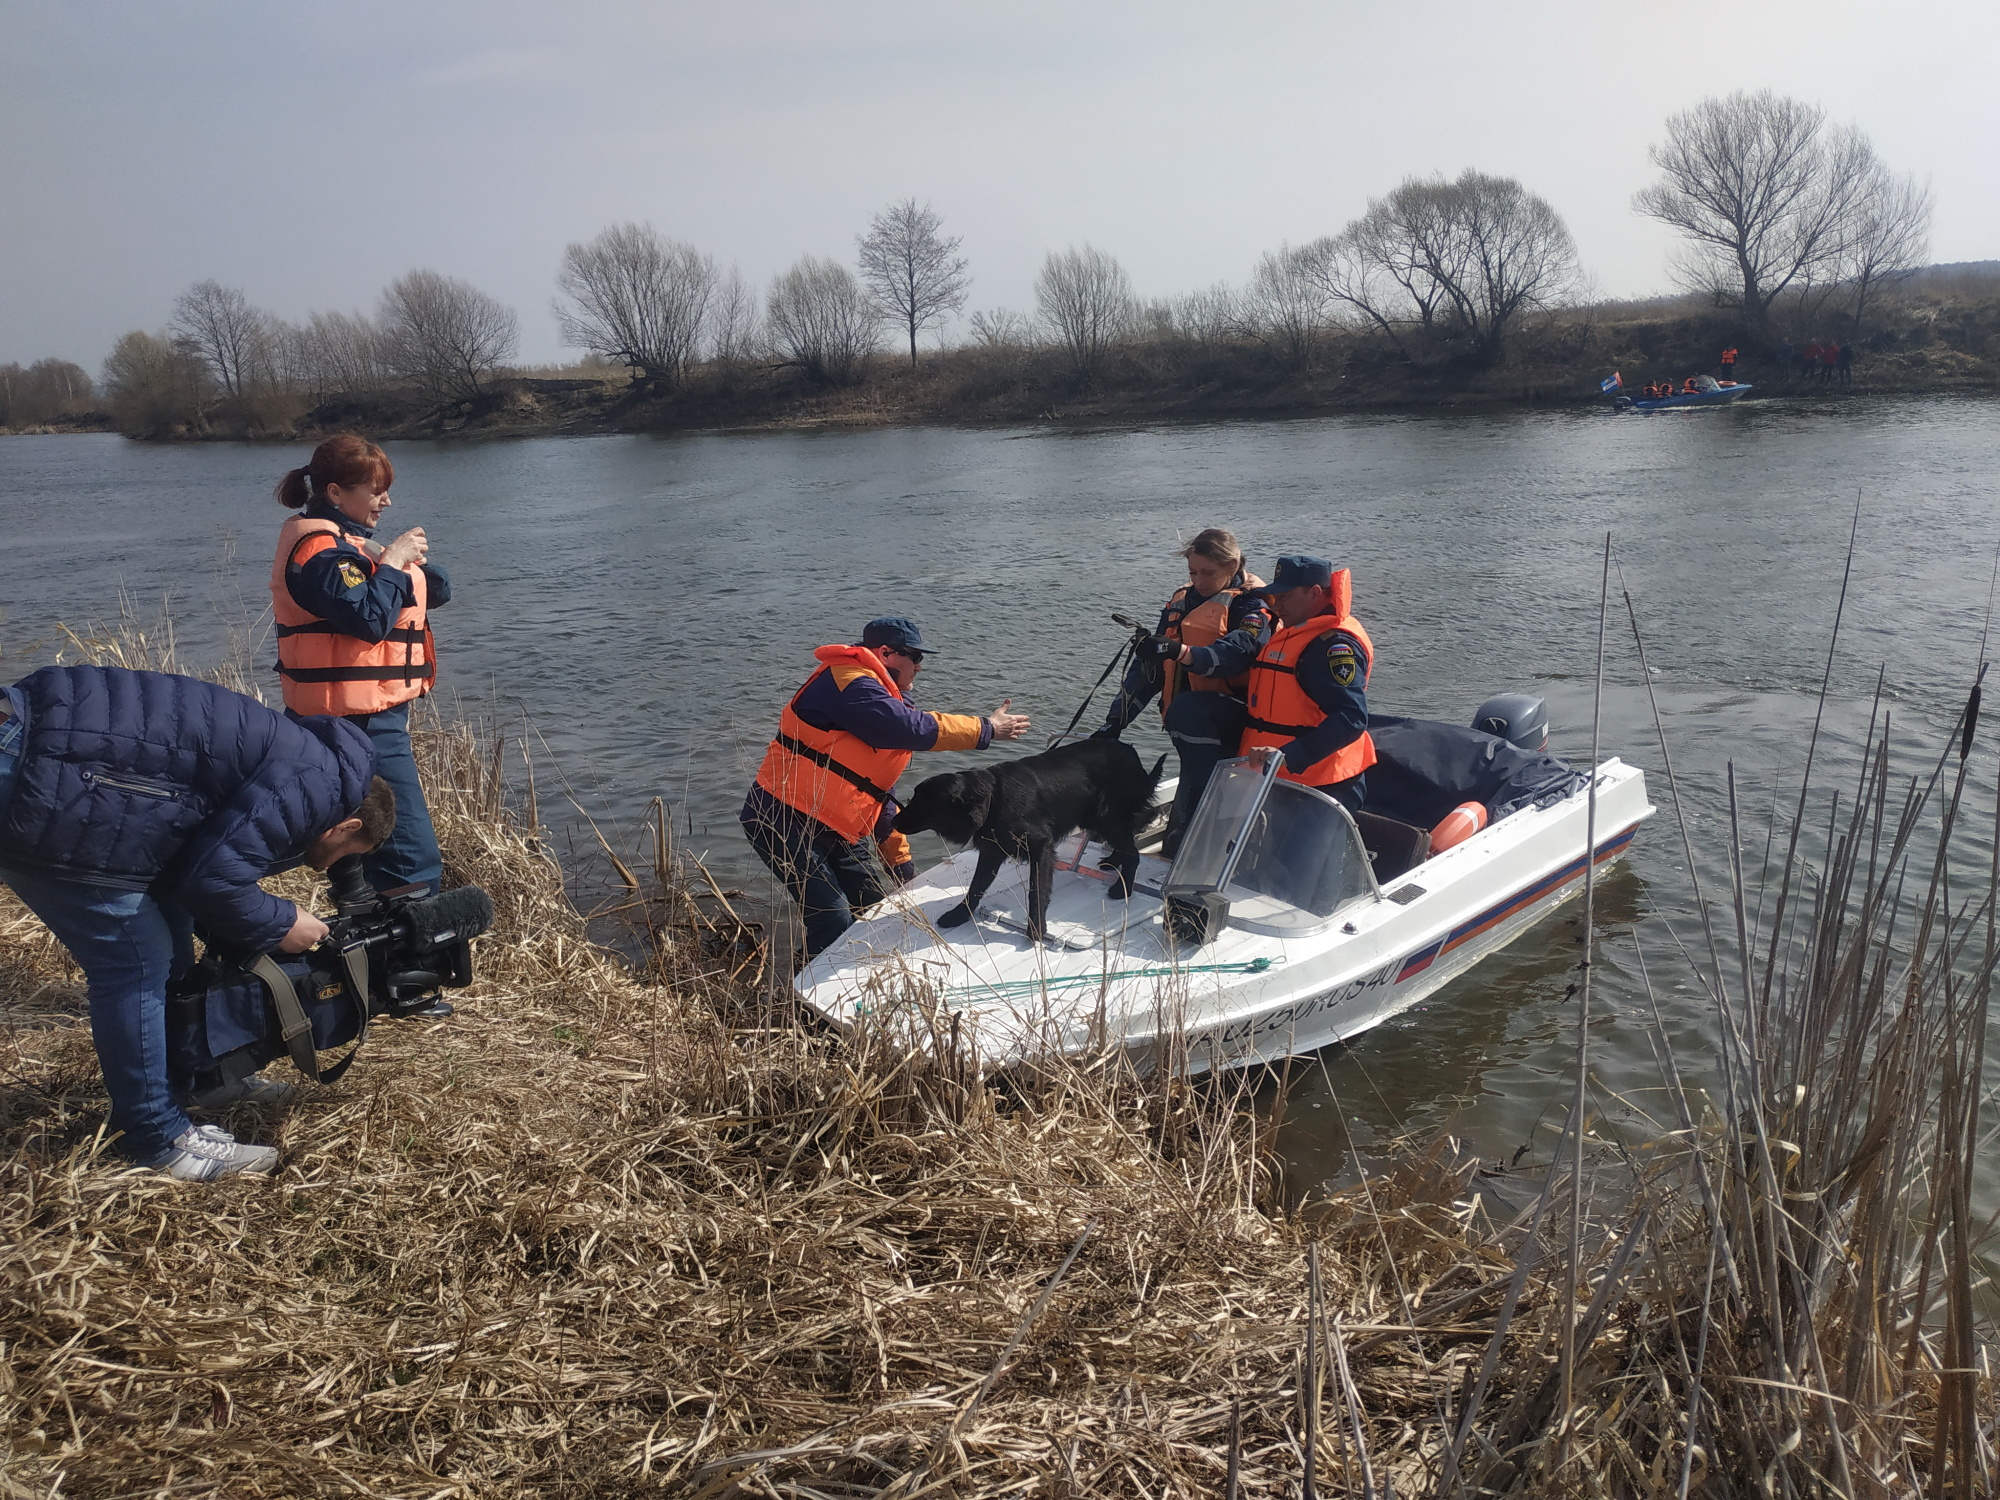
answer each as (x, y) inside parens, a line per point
(614, 1230)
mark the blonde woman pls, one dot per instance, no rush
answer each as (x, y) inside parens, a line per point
(1197, 663)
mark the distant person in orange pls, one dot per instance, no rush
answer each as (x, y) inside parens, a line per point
(1809, 360)
(1829, 356)
(1729, 363)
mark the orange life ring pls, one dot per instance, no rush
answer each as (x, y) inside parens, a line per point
(1458, 825)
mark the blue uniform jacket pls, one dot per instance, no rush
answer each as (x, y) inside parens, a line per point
(367, 609)
(145, 781)
(875, 716)
(1333, 656)
(1249, 628)
(872, 714)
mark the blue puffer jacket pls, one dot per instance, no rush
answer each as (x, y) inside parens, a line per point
(141, 780)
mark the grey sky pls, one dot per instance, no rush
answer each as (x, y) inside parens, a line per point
(310, 152)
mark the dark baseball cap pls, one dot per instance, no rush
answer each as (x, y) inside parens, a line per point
(1297, 571)
(896, 631)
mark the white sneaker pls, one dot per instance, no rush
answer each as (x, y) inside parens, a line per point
(250, 1089)
(202, 1153)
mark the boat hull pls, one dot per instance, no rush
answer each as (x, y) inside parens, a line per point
(1110, 976)
(1720, 397)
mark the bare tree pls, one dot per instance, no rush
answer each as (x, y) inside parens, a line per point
(732, 324)
(819, 319)
(636, 296)
(1000, 327)
(1888, 238)
(330, 354)
(45, 390)
(1765, 194)
(915, 273)
(341, 353)
(155, 384)
(444, 333)
(1286, 305)
(1209, 318)
(1453, 264)
(218, 323)
(1376, 273)
(1085, 301)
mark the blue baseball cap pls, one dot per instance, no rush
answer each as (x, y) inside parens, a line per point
(896, 631)
(1298, 571)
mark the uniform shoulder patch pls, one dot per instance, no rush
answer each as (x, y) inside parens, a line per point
(350, 573)
(1342, 662)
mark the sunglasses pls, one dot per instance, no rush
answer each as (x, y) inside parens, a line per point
(915, 656)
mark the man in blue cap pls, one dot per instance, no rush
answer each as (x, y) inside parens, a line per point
(1308, 698)
(827, 783)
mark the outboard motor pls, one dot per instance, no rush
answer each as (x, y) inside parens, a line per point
(1521, 719)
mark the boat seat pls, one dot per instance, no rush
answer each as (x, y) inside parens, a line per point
(1396, 848)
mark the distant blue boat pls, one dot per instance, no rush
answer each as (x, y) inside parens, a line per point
(1722, 395)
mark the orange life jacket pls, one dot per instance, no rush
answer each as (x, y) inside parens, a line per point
(828, 774)
(1204, 625)
(1281, 710)
(1729, 356)
(325, 672)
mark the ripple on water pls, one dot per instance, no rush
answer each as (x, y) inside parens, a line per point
(650, 602)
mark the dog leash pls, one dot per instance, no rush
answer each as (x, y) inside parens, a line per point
(1139, 632)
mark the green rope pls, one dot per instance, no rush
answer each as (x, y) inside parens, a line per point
(1002, 989)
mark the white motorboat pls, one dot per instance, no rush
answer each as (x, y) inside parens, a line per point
(1267, 936)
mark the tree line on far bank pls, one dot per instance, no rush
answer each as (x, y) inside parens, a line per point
(1790, 224)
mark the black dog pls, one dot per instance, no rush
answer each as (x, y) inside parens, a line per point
(1023, 809)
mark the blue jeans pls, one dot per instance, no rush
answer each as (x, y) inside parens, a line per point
(410, 855)
(1205, 728)
(825, 874)
(129, 946)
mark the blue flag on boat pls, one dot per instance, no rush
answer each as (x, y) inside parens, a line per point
(1614, 383)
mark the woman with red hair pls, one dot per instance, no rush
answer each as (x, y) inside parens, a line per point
(353, 624)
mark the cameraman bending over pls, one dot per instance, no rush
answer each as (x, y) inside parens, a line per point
(133, 804)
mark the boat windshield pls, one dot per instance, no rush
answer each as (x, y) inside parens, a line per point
(1291, 844)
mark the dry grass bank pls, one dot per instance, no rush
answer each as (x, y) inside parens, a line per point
(609, 1233)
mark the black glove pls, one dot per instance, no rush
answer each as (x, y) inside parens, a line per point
(1160, 648)
(904, 873)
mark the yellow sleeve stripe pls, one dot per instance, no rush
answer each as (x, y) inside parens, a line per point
(844, 675)
(957, 731)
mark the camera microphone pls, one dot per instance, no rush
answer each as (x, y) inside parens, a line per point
(449, 916)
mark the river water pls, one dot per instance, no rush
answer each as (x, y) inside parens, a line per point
(642, 607)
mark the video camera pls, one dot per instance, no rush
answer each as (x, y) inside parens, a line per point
(385, 955)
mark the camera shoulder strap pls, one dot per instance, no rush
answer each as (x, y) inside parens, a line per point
(295, 1026)
(354, 971)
